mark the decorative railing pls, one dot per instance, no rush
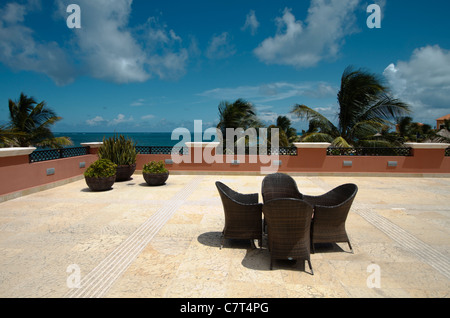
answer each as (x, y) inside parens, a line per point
(281, 151)
(53, 154)
(447, 152)
(161, 150)
(400, 152)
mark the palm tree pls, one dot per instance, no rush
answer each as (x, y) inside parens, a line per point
(240, 114)
(365, 109)
(284, 123)
(31, 123)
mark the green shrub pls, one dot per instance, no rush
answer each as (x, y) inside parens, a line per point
(155, 167)
(101, 168)
(119, 150)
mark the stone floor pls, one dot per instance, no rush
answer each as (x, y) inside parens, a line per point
(164, 242)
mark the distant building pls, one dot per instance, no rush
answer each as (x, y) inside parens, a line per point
(440, 121)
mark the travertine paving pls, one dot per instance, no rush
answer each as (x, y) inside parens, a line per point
(163, 242)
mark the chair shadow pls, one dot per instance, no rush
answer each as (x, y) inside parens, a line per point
(328, 248)
(214, 239)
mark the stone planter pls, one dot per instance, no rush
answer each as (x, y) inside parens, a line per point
(156, 179)
(124, 173)
(100, 184)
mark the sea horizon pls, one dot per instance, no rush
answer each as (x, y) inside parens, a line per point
(139, 138)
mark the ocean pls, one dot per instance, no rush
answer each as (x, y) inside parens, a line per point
(141, 139)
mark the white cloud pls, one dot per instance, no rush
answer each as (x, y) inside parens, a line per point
(319, 38)
(98, 120)
(251, 22)
(423, 82)
(20, 50)
(220, 47)
(138, 102)
(106, 47)
(120, 119)
(147, 117)
(269, 92)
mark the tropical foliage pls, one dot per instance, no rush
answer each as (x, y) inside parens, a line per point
(366, 109)
(30, 124)
(101, 168)
(239, 114)
(118, 149)
(155, 167)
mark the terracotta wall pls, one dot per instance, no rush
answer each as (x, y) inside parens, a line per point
(423, 161)
(17, 174)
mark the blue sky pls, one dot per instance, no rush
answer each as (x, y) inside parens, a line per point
(155, 65)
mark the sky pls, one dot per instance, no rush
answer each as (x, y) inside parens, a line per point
(156, 65)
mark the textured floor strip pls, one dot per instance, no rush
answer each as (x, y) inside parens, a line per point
(100, 279)
(407, 241)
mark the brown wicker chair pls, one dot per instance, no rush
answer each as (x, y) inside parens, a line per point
(243, 215)
(288, 223)
(279, 186)
(330, 214)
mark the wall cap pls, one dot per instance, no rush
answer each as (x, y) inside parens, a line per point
(92, 144)
(202, 144)
(312, 144)
(16, 151)
(416, 145)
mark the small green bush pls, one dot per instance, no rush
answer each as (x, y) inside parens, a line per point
(119, 150)
(101, 168)
(155, 167)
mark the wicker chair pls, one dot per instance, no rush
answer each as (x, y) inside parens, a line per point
(243, 215)
(330, 214)
(288, 223)
(279, 186)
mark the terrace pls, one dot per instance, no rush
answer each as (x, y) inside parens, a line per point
(140, 241)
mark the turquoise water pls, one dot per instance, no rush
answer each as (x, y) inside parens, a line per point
(141, 139)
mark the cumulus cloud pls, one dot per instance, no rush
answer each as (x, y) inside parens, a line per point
(106, 47)
(320, 37)
(423, 82)
(220, 47)
(100, 121)
(21, 51)
(251, 23)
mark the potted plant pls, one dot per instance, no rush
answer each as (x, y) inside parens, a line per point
(122, 152)
(155, 173)
(101, 175)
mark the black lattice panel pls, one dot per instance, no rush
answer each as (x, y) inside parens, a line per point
(398, 152)
(53, 154)
(447, 152)
(160, 150)
(44, 155)
(74, 152)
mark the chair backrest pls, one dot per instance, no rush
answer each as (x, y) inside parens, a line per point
(226, 193)
(289, 222)
(340, 195)
(279, 186)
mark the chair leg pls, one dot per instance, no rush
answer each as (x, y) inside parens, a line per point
(310, 267)
(271, 262)
(349, 245)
